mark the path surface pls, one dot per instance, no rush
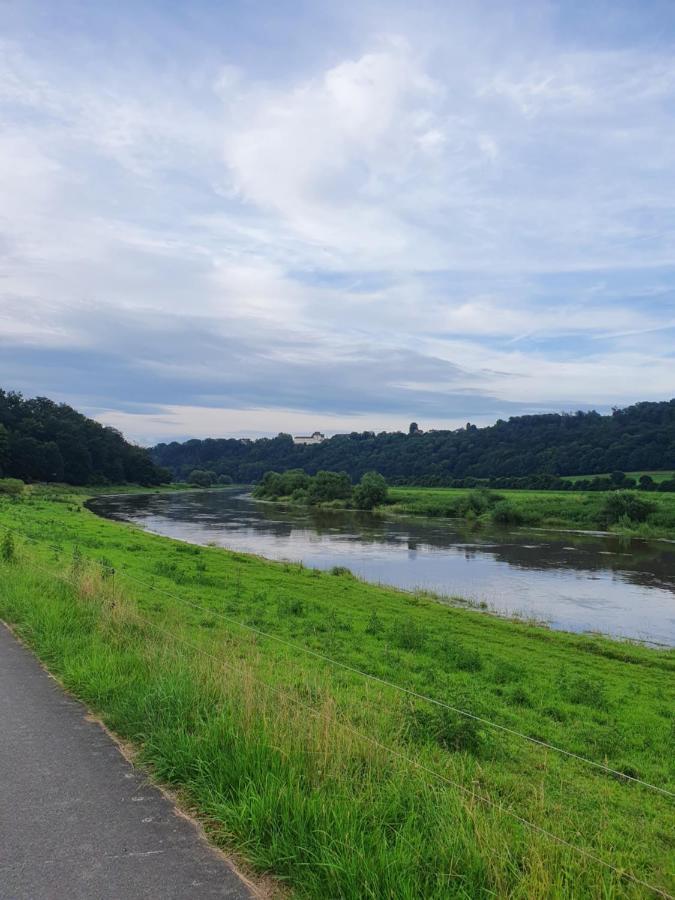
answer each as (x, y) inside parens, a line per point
(76, 819)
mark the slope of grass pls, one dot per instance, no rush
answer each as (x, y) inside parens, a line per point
(556, 509)
(283, 754)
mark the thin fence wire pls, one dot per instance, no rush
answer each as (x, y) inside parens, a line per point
(616, 773)
(415, 763)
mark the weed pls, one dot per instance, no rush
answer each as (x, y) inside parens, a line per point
(408, 635)
(7, 548)
(341, 571)
(374, 624)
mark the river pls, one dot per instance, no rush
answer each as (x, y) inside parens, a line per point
(624, 588)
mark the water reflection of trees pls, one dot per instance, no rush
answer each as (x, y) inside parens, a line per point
(642, 563)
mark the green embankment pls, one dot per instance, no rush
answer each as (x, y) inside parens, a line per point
(555, 509)
(285, 756)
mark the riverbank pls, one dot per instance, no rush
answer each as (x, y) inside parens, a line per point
(265, 739)
(576, 510)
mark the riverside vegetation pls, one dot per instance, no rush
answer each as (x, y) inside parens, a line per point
(284, 755)
(622, 511)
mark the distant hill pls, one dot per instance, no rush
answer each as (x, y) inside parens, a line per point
(639, 437)
(45, 441)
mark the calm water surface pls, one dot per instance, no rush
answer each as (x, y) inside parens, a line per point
(573, 582)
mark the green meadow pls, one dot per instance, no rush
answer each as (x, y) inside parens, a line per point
(546, 509)
(336, 784)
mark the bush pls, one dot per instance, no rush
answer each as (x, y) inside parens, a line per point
(374, 625)
(474, 504)
(201, 478)
(370, 492)
(625, 505)
(225, 479)
(7, 549)
(11, 486)
(505, 514)
(340, 570)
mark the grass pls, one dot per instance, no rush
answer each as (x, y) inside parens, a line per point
(283, 754)
(555, 509)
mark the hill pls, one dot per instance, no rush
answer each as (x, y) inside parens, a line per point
(45, 441)
(639, 437)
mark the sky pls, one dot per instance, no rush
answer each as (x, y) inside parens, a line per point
(245, 217)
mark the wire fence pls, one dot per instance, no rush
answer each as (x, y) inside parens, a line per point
(583, 852)
(497, 726)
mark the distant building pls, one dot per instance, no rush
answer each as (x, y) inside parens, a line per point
(315, 438)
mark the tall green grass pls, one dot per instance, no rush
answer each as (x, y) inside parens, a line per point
(284, 755)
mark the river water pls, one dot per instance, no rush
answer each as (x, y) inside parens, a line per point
(573, 582)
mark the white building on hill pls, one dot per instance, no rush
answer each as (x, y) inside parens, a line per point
(315, 438)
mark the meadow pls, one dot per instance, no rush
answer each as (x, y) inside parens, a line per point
(582, 510)
(264, 694)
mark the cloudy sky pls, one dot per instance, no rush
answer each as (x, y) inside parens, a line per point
(259, 215)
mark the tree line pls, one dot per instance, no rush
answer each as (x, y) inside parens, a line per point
(639, 437)
(323, 489)
(41, 440)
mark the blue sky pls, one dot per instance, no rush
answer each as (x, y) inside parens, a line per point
(246, 217)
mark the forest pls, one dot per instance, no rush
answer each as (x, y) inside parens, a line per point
(638, 437)
(41, 440)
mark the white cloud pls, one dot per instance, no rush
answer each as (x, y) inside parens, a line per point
(487, 205)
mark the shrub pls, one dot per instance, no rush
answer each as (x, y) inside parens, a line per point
(7, 549)
(374, 624)
(370, 492)
(11, 486)
(474, 504)
(201, 478)
(625, 505)
(340, 570)
(505, 514)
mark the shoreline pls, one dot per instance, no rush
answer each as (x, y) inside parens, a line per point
(248, 685)
(443, 599)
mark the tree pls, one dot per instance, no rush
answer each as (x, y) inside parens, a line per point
(4, 449)
(325, 487)
(413, 428)
(371, 491)
(45, 441)
(640, 437)
(201, 478)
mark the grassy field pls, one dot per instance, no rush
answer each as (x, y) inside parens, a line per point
(338, 785)
(556, 509)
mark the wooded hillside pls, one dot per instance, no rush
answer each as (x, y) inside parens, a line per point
(45, 441)
(582, 443)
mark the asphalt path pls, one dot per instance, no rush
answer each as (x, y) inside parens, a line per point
(77, 820)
